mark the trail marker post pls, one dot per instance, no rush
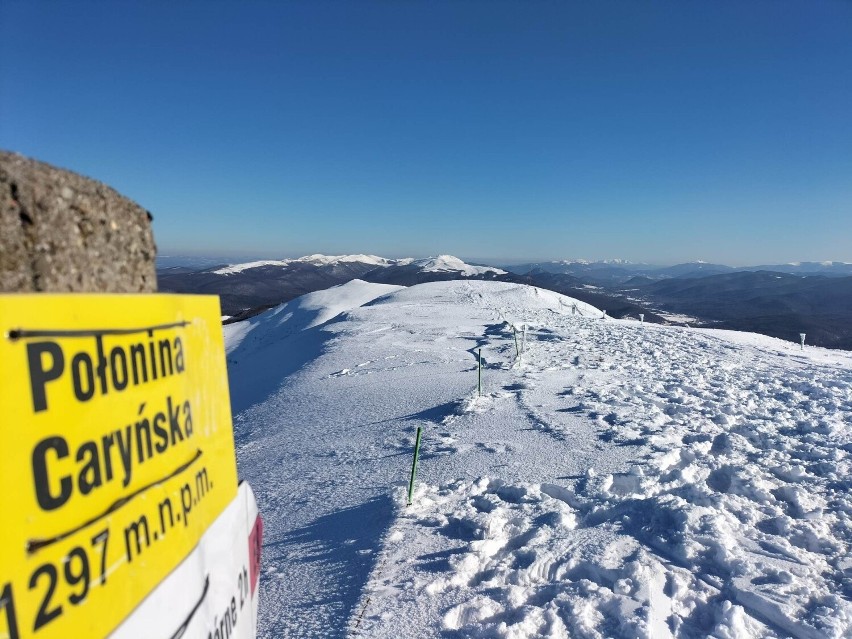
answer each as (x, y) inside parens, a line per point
(802, 338)
(641, 318)
(524, 339)
(515, 333)
(479, 375)
(604, 315)
(414, 464)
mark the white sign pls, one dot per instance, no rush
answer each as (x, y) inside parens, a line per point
(213, 593)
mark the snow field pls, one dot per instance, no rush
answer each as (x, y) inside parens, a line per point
(620, 480)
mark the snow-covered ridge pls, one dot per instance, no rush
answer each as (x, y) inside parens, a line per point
(449, 263)
(442, 263)
(316, 259)
(617, 479)
(320, 259)
(821, 263)
(307, 311)
(615, 262)
(239, 268)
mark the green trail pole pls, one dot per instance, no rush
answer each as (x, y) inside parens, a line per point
(479, 370)
(414, 464)
(517, 350)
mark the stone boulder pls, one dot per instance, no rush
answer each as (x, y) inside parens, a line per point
(62, 232)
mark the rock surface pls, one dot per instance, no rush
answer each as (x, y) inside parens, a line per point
(62, 232)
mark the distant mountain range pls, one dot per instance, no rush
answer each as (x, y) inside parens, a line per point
(769, 302)
(610, 272)
(244, 288)
(780, 300)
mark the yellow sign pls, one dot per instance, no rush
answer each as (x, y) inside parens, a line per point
(118, 453)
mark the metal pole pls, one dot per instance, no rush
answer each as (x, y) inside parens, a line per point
(414, 464)
(515, 332)
(479, 380)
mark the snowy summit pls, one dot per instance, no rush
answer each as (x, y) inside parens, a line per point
(614, 478)
(442, 263)
(450, 264)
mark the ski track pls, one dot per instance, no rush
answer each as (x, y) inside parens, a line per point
(618, 480)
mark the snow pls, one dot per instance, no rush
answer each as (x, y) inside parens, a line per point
(616, 261)
(316, 259)
(617, 480)
(442, 263)
(678, 318)
(320, 259)
(239, 268)
(308, 311)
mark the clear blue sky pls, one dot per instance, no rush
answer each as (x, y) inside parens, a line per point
(656, 131)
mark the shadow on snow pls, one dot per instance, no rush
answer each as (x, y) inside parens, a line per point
(343, 547)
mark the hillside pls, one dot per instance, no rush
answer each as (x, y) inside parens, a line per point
(776, 304)
(620, 479)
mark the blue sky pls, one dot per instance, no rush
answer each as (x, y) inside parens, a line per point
(652, 131)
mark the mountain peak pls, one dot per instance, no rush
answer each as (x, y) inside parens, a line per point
(450, 263)
(320, 259)
(612, 261)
